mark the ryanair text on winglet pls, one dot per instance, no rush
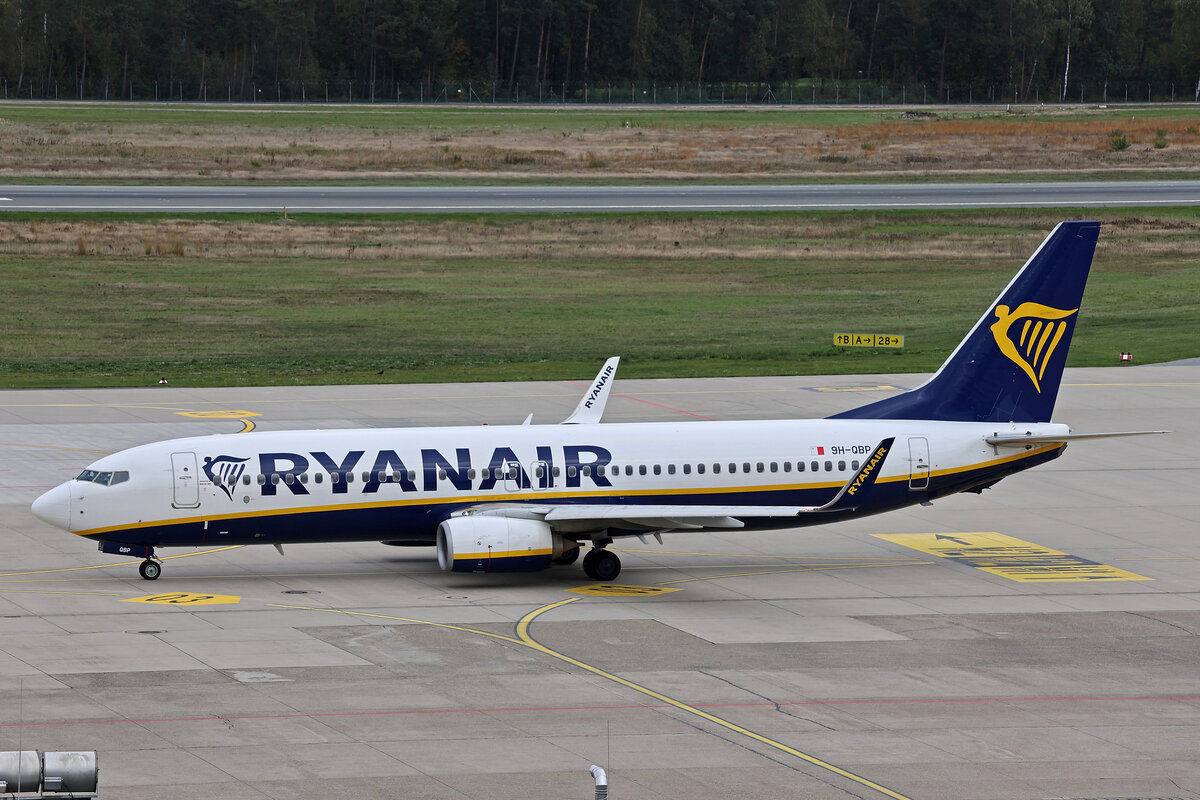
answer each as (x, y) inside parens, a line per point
(868, 468)
(605, 375)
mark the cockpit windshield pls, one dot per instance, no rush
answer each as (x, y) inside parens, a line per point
(103, 478)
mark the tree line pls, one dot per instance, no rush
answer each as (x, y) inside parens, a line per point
(621, 50)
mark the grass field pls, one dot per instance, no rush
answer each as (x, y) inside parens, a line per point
(136, 143)
(120, 301)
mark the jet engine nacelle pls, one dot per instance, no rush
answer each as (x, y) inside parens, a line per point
(496, 544)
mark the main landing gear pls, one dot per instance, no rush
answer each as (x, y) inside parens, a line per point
(601, 565)
(150, 569)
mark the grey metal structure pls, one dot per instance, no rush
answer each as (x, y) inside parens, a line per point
(29, 774)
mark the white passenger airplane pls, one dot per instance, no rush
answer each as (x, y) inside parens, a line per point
(520, 498)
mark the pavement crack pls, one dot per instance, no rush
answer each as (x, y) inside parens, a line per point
(778, 706)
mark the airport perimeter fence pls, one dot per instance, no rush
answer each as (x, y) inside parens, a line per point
(786, 93)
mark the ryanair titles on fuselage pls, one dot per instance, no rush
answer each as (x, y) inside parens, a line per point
(282, 470)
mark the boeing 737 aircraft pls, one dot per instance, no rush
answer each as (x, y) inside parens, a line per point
(523, 497)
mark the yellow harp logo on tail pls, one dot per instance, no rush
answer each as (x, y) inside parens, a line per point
(1030, 344)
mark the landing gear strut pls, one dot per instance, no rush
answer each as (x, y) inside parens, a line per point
(150, 569)
(601, 565)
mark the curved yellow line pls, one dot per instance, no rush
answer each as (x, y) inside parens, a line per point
(524, 638)
(529, 641)
(247, 425)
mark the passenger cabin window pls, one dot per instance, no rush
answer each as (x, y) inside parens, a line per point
(815, 466)
(841, 466)
(318, 477)
(670, 469)
(854, 465)
(641, 469)
(716, 469)
(787, 466)
(829, 466)
(774, 466)
(799, 466)
(658, 469)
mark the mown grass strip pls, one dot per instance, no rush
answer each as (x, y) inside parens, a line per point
(354, 300)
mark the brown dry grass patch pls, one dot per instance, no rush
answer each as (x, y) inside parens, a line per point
(243, 152)
(608, 239)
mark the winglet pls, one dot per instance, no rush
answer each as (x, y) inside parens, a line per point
(854, 492)
(591, 405)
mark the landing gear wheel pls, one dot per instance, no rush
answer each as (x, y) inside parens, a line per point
(150, 570)
(568, 556)
(601, 565)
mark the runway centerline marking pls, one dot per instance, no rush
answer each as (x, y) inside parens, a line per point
(525, 639)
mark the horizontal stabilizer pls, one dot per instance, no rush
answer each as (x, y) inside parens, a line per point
(1022, 439)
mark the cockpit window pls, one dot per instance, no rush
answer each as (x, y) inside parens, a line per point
(103, 478)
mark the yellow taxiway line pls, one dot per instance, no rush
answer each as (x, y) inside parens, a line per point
(525, 639)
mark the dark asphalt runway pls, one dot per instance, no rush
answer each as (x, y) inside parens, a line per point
(484, 199)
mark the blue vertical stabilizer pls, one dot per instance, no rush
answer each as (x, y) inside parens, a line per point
(1009, 366)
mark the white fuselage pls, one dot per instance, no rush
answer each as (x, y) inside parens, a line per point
(398, 484)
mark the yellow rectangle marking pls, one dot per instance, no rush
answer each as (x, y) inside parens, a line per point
(868, 340)
(186, 599)
(1011, 558)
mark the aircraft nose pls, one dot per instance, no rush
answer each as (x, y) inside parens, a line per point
(54, 507)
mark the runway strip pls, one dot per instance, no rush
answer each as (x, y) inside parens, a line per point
(596, 199)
